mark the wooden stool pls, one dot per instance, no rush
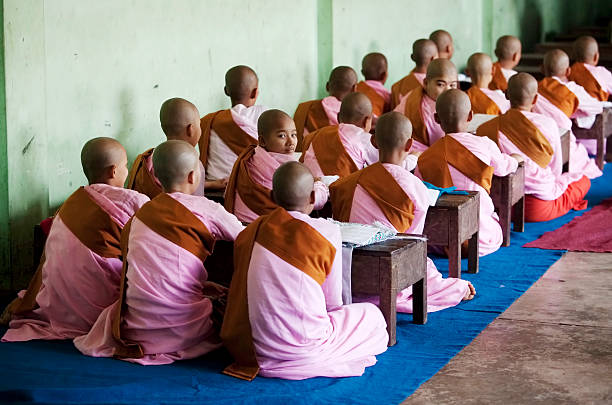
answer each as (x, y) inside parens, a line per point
(386, 268)
(451, 221)
(601, 129)
(508, 192)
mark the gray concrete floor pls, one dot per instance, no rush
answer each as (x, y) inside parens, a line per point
(552, 346)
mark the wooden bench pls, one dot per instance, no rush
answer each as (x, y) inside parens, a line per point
(601, 129)
(451, 221)
(381, 269)
(386, 268)
(508, 195)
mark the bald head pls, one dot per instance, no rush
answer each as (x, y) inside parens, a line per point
(99, 156)
(173, 161)
(175, 115)
(292, 186)
(586, 50)
(271, 120)
(479, 65)
(393, 130)
(506, 47)
(423, 52)
(374, 66)
(444, 42)
(453, 109)
(441, 68)
(522, 88)
(342, 81)
(355, 108)
(556, 63)
(241, 83)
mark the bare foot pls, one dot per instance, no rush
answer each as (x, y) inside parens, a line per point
(471, 292)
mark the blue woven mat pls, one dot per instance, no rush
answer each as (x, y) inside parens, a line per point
(55, 372)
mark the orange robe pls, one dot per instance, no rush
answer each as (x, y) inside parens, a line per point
(141, 179)
(379, 104)
(499, 81)
(309, 115)
(331, 155)
(403, 87)
(583, 77)
(559, 95)
(481, 103)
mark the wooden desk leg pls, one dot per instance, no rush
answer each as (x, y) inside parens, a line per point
(388, 298)
(599, 158)
(454, 247)
(608, 149)
(419, 301)
(505, 213)
(518, 216)
(473, 254)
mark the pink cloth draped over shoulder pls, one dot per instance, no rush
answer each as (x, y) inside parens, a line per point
(441, 293)
(167, 313)
(301, 329)
(75, 291)
(261, 167)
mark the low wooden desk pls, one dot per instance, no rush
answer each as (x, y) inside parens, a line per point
(601, 129)
(216, 196)
(508, 192)
(564, 134)
(386, 268)
(451, 221)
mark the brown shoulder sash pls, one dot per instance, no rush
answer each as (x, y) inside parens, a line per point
(310, 115)
(384, 190)
(581, 75)
(522, 133)
(379, 106)
(403, 87)
(481, 103)
(333, 159)
(279, 233)
(433, 164)
(254, 195)
(140, 178)
(413, 112)
(499, 81)
(172, 220)
(230, 133)
(558, 94)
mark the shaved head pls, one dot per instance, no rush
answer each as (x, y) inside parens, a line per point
(240, 82)
(342, 81)
(444, 42)
(374, 66)
(175, 115)
(585, 49)
(423, 51)
(479, 65)
(271, 120)
(99, 155)
(522, 88)
(173, 161)
(441, 68)
(453, 108)
(292, 186)
(355, 108)
(555, 63)
(506, 47)
(393, 130)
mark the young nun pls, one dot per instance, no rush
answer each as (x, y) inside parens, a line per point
(165, 304)
(423, 52)
(374, 68)
(65, 297)
(508, 51)
(483, 99)
(596, 80)
(284, 315)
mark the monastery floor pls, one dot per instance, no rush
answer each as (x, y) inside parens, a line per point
(552, 346)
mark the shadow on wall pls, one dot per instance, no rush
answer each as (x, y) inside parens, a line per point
(125, 130)
(531, 25)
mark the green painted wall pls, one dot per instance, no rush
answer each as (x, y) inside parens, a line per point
(71, 70)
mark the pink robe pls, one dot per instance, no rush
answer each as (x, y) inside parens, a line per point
(441, 293)
(602, 75)
(540, 182)
(380, 88)
(220, 157)
(490, 235)
(301, 329)
(166, 313)
(261, 167)
(331, 106)
(498, 97)
(199, 191)
(428, 109)
(358, 145)
(77, 284)
(508, 73)
(579, 161)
